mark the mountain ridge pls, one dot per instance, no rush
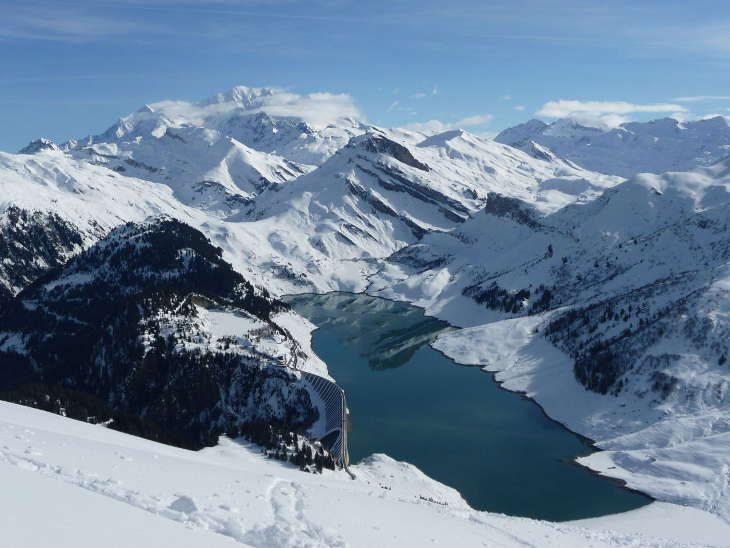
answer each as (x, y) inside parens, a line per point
(657, 146)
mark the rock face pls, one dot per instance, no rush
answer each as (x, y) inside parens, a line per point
(32, 242)
(153, 323)
(634, 147)
(382, 145)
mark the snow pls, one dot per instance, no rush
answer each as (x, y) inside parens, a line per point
(44, 511)
(210, 178)
(655, 146)
(225, 324)
(659, 518)
(88, 485)
(676, 458)
(12, 342)
(305, 129)
(77, 278)
(301, 330)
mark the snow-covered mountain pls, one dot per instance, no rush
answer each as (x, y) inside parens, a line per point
(278, 127)
(633, 147)
(219, 153)
(268, 120)
(382, 190)
(204, 168)
(380, 193)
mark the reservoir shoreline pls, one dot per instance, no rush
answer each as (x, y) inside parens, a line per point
(587, 446)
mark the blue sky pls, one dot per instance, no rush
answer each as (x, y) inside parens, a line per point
(71, 68)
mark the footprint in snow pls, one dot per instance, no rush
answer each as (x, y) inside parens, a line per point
(184, 504)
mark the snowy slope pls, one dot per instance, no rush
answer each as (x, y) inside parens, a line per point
(126, 491)
(380, 193)
(657, 146)
(204, 168)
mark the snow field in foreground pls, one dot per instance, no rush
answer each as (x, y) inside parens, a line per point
(90, 486)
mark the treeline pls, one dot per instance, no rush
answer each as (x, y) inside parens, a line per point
(88, 408)
(276, 440)
(284, 445)
(511, 302)
(122, 341)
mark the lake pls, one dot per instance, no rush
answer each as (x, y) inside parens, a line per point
(453, 422)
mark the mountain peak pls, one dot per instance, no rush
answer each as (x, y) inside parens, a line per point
(574, 127)
(377, 142)
(521, 132)
(245, 96)
(38, 145)
(441, 139)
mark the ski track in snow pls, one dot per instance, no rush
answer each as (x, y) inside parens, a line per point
(289, 525)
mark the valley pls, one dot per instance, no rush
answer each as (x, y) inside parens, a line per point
(456, 425)
(147, 266)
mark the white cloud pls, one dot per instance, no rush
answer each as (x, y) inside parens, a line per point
(563, 108)
(519, 107)
(713, 115)
(698, 98)
(474, 120)
(317, 108)
(437, 126)
(489, 135)
(601, 113)
(603, 120)
(398, 107)
(505, 98)
(422, 94)
(690, 117)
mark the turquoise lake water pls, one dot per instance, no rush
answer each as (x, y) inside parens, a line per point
(497, 449)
